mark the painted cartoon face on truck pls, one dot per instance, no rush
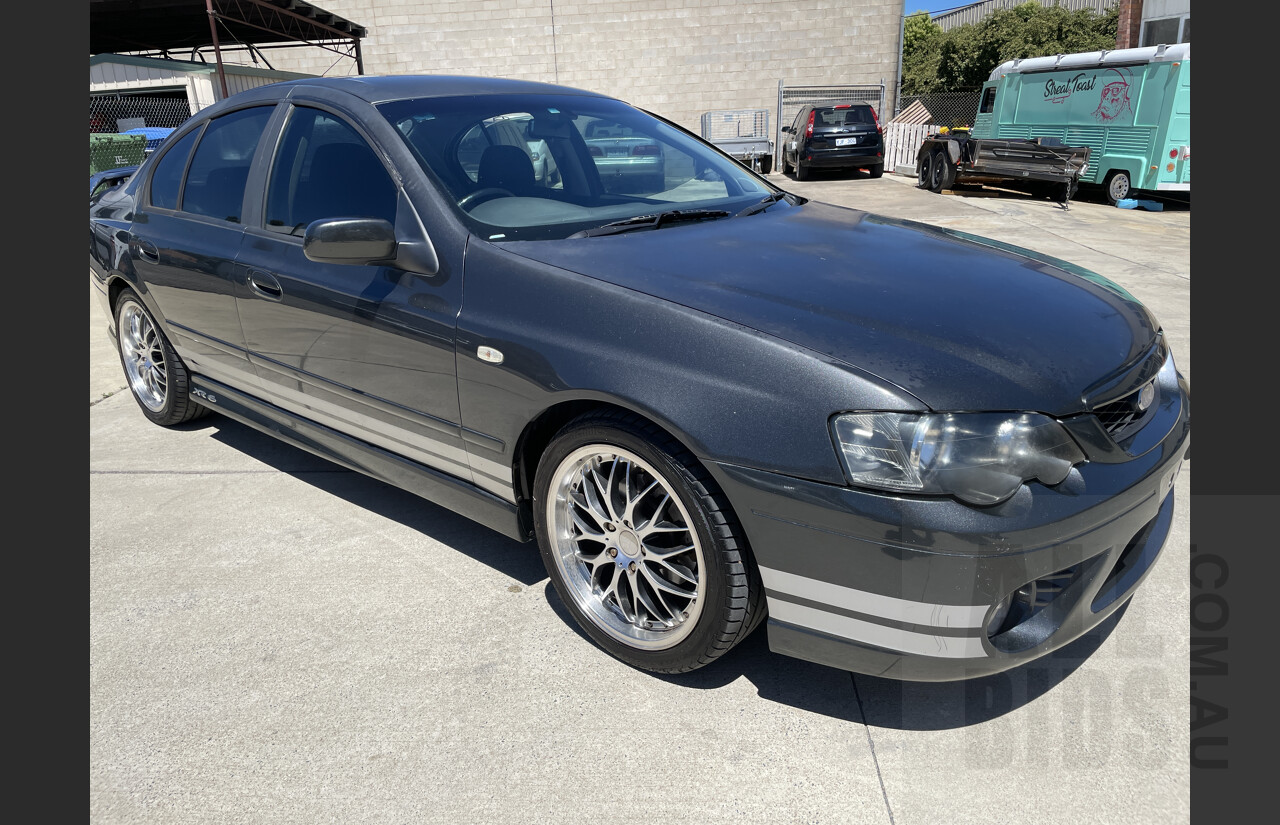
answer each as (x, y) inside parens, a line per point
(1114, 99)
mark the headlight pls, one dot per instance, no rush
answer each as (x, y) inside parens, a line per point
(981, 458)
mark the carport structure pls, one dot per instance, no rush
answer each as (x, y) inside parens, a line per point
(173, 28)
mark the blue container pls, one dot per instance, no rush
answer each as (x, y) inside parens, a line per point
(155, 135)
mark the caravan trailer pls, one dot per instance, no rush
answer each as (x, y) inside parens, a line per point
(1130, 107)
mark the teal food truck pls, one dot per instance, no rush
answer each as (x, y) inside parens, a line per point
(1130, 107)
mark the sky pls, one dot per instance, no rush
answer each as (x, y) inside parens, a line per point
(933, 6)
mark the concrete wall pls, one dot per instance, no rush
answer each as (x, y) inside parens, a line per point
(678, 58)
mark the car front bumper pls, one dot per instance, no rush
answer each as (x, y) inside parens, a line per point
(906, 588)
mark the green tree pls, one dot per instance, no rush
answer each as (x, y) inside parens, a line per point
(921, 41)
(964, 57)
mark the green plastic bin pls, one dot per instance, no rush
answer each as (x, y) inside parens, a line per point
(108, 151)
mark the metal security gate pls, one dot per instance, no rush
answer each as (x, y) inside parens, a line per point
(791, 98)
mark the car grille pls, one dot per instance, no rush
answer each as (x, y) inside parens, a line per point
(1118, 415)
(1121, 417)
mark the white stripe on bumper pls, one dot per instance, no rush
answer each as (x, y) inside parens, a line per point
(892, 638)
(873, 604)
(1176, 187)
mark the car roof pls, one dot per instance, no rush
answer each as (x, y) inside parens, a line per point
(384, 88)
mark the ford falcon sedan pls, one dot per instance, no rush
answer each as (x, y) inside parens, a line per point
(710, 403)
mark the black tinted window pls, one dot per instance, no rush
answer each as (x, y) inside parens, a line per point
(988, 101)
(220, 168)
(845, 116)
(166, 182)
(324, 169)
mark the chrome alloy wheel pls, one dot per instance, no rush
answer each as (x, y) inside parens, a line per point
(143, 357)
(626, 548)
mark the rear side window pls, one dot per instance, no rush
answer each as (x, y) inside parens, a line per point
(220, 169)
(325, 169)
(166, 181)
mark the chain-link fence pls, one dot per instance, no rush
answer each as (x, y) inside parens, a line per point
(120, 112)
(950, 109)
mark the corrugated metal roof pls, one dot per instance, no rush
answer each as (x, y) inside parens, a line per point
(180, 25)
(190, 67)
(975, 12)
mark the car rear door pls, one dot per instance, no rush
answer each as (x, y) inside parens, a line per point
(365, 349)
(186, 233)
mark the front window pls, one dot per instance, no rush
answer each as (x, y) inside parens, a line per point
(526, 167)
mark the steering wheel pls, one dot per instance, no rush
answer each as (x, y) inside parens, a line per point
(481, 195)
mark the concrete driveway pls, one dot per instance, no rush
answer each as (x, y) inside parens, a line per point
(275, 639)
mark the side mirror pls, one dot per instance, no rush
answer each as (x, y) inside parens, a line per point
(349, 241)
(786, 130)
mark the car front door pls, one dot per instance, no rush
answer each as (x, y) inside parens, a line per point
(793, 140)
(186, 234)
(365, 349)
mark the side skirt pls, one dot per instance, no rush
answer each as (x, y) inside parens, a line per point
(441, 488)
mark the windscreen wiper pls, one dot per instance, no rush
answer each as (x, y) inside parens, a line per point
(651, 221)
(765, 203)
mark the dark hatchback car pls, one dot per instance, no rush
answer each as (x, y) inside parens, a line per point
(919, 454)
(833, 136)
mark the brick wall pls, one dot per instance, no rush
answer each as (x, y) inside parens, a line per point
(1130, 24)
(678, 58)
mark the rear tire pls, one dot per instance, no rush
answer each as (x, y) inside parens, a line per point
(1117, 186)
(158, 380)
(766, 164)
(802, 171)
(642, 546)
(941, 173)
(876, 171)
(924, 170)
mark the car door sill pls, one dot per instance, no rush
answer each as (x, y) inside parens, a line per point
(448, 491)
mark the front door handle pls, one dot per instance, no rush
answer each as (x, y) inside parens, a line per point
(264, 284)
(147, 251)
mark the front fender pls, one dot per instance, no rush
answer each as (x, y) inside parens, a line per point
(728, 392)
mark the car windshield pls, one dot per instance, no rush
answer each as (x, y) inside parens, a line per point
(532, 167)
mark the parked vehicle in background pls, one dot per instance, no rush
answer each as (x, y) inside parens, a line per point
(838, 136)
(100, 182)
(1043, 166)
(628, 161)
(921, 454)
(1130, 107)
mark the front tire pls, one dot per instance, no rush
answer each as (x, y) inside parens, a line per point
(158, 379)
(641, 545)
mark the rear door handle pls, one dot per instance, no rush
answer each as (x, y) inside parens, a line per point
(147, 250)
(264, 284)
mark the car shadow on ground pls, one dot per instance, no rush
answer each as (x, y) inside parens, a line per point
(828, 691)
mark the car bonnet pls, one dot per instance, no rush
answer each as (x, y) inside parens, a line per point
(962, 323)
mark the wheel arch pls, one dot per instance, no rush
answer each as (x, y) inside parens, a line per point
(542, 429)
